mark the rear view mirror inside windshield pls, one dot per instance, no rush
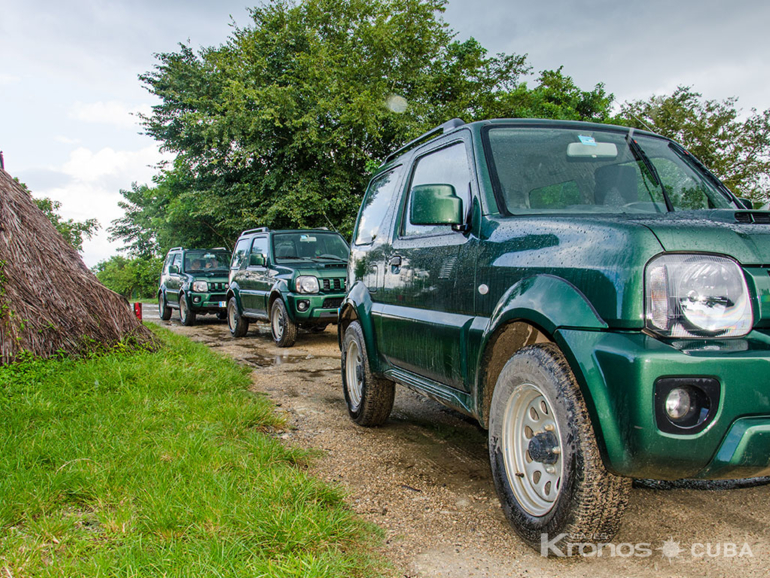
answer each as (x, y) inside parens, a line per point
(588, 148)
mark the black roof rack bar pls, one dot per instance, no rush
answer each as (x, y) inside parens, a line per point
(176, 248)
(441, 129)
(218, 249)
(257, 230)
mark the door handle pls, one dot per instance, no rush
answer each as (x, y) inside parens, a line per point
(395, 261)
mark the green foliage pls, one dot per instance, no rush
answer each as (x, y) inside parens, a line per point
(131, 277)
(736, 149)
(160, 464)
(283, 125)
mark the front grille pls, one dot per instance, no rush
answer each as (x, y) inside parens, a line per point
(332, 303)
(217, 286)
(337, 284)
(217, 297)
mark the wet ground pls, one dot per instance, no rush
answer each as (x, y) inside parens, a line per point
(424, 478)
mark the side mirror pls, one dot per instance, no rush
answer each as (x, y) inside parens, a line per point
(257, 260)
(435, 205)
(174, 270)
(746, 203)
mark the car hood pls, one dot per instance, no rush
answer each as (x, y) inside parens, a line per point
(716, 231)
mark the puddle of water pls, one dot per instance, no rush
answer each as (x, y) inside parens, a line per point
(258, 360)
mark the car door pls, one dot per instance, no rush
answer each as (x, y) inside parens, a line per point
(238, 267)
(174, 280)
(426, 300)
(259, 278)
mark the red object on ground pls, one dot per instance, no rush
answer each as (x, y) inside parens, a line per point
(138, 311)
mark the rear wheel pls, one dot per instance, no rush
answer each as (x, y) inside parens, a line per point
(546, 465)
(369, 398)
(164, 311)
(237, 324)
(283, 328)
(186, 315)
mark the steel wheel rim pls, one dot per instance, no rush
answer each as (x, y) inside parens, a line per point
(536, 485)
(277, 323)
(182, 309)
(231, 316)
(161, 304)
(353, 370)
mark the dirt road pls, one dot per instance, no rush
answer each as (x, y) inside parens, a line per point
(424, 478)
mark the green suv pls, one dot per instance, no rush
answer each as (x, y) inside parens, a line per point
(592, 295)
(193, 281)
(290, 278)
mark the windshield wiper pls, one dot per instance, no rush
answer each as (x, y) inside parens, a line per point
(694, 162)
(640, 155)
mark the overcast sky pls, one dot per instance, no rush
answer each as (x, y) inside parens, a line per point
(68, 79)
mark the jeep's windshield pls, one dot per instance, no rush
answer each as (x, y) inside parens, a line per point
(202, 261)
(556, 170)
(309, 246)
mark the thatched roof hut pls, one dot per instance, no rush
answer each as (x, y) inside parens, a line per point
(49, 301)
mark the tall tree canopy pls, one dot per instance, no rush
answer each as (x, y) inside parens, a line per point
(281, 125)
(736, 149)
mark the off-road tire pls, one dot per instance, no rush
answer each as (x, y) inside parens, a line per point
(589, 503)
(369, 398)
(283, 329)
(186, 315)
(164, 311)
(237, 324)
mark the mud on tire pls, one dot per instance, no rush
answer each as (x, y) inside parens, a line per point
(369, 398)
(540, 433)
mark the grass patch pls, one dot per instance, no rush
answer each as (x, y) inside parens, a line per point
(160, 464)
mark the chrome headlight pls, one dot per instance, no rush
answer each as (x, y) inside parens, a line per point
(200, 286)
(696, 296)
(307, 284)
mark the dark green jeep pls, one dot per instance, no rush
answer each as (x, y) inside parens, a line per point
(290, 278)
(193, 281)
(592, 295)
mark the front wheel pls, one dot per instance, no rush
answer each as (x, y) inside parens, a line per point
(369, 398)
(284, 330)
(164, 311)
(237, 324)
(546, 465)
(186, 315)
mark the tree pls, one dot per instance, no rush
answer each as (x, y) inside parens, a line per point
(736, 149)
(280, 126)
(131, 277)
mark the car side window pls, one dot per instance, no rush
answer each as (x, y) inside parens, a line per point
(177, 262)
(446, 166)
(378, 200)
(259, 246)
(240, 253)
(167, 264)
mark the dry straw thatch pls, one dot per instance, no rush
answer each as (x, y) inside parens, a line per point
(50, 303)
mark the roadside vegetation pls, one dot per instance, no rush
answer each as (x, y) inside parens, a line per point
(160, 464)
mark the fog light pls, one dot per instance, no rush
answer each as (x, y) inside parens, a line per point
(196, 299)
(679, 403)
(303, 305)
(685, 405)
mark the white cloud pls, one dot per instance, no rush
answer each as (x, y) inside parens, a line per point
(6, 79)
(86, 166)
(93, 189)
(112, 112)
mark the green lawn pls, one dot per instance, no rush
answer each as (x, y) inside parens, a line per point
(161, 464)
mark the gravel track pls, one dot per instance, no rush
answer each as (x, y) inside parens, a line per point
(424, 478)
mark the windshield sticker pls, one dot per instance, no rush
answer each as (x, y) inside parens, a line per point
(587, 140)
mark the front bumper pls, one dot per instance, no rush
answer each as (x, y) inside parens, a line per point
(317, 309)
(211, 302)
(617, 372)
